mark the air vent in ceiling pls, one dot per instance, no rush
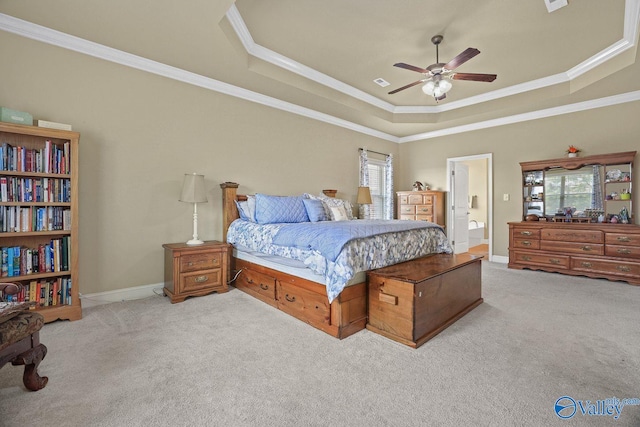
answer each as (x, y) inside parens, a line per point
(555, 4)
(382, 82)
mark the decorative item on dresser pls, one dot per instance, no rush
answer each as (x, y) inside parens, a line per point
(422, 205)
(39, 217)
(195, 270)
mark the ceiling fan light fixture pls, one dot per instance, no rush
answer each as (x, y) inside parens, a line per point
(437, 88)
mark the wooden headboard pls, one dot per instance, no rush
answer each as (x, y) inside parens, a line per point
(229, 208)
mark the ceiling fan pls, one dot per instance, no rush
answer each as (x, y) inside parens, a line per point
(437, 76)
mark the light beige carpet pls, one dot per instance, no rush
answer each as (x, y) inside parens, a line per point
(229, 360)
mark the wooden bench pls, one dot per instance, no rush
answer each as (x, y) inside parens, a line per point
(413, 301)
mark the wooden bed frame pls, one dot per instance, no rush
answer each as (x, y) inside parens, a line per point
(298, 297)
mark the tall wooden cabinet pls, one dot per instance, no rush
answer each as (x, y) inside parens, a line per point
(422, 206)
(39, 217)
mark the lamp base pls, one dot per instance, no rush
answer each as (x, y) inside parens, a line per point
(194, 242)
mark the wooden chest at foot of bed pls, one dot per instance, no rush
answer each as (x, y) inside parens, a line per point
(413, 301)
(304, 299)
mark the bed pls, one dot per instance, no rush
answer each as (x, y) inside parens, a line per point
(324, 286)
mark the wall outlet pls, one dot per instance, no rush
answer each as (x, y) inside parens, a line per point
(505, 197)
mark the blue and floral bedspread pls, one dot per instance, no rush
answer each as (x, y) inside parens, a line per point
(365, 251)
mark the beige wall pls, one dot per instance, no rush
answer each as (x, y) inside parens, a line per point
(141, 133)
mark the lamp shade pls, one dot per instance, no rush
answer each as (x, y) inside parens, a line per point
(193, 189)
(364, 196)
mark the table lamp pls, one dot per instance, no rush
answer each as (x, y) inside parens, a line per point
(364, 196)
(193, 192)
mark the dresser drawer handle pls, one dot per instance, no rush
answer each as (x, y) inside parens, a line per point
(526, 258)
(587, 248)
(526, 233)
(250, 281)
(264, 287)
(526, 243)
(586, 264)
(290, 299)
(201, 279)
(554, 261)
(623, 268)
(624, 251)
(623, 239)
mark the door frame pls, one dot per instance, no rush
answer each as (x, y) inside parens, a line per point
(450, 166)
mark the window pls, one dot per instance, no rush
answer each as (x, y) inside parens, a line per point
(377, 184)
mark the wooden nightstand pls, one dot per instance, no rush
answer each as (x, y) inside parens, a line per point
(195, 270)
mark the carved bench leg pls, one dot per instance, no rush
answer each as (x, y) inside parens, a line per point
(31, 359)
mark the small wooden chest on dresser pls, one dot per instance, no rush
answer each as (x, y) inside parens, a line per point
(413, 301)
(608, 251)
(195, 270)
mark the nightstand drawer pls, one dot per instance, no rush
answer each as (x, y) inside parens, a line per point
(207, 279)
(198, 262)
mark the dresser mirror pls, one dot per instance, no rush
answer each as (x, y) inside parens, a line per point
(588, 189)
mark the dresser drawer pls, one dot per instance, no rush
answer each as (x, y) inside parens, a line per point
(567, 235)
(572, 247)
(424, 210)
(407, 210)
(622, 239)
(197, 262)
(618, 268)
(258, 284)
(622, 251)
(419, 199)
(526, 243)
(546, 260)
(530, 233)
(309, 306)
(424, 218)
(200, 280)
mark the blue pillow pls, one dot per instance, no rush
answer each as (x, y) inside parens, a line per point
(315, 210)
(274, 209)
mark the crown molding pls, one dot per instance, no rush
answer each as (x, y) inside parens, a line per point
(66, 41)
(533, 115)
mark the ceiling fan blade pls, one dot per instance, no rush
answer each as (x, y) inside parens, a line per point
(475, 77)
(407, 86)
(411, 67)
(462, 58)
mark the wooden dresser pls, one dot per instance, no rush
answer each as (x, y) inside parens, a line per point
(422, 206)
(609, 251)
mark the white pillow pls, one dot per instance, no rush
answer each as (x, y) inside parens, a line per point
(338, 213)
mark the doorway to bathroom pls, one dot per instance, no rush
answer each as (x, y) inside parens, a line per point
(470, 213)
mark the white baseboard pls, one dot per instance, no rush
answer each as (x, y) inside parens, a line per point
(501, 259)
(119, 295)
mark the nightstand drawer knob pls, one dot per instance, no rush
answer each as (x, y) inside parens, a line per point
(201, 279)
(290, 299)
(526, 243)
(264, 287)
(526, 233)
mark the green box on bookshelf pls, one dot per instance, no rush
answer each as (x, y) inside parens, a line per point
(14, 116)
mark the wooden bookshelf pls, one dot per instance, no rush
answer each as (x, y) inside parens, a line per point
(39, 215)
